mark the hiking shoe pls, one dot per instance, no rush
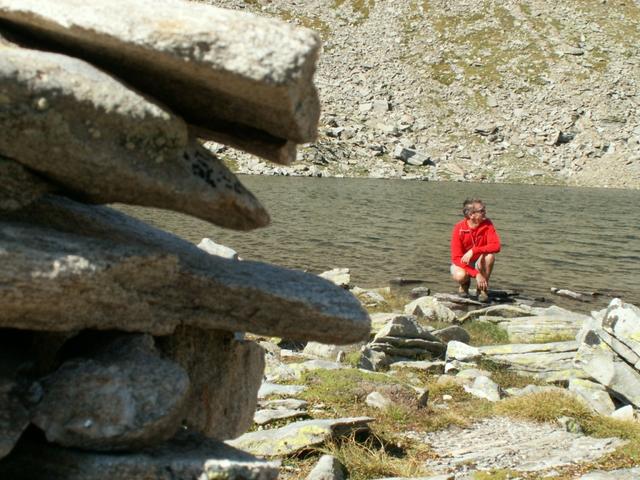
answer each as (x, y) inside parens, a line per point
(483, 296)
(463, 291)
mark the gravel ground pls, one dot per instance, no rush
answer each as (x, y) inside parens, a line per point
(509, 91)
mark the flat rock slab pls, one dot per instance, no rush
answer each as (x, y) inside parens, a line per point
(297, 436)
(92, 134)
(264, 417)
(269, 389)
(138, 278)
(124, 396)
(502, 443)
(215, 67)
(180, 459)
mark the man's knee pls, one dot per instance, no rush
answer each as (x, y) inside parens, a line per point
(459, 274)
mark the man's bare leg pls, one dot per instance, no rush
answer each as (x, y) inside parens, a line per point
(462, 277)
(485, 267)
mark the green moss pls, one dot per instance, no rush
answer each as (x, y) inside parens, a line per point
(314, 23)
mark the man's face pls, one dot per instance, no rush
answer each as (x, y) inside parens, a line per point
(478, 212)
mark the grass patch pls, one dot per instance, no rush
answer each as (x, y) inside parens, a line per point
(372, 459)
(486, 333)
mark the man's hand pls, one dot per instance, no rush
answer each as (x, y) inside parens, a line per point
(466, 258)
(481, 282)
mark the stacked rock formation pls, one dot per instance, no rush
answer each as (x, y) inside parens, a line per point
(117, 345)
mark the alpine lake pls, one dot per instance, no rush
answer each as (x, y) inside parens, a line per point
(583, 239)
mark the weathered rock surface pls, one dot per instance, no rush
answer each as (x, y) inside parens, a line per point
(297, 436)
(179, 284)
(552, 361)
(183, 458)
(89, 132)
(431, 309)
(222, 70)
(537, 326)
(484, 387)
(20, 186)
(339, 276)
(122, 396)
(268, 389)
(501, 443)
(327, 468)
(504, 119)
(266, 416)
(225, 376)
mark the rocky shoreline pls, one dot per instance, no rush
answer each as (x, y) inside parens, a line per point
(593, 360)
(505, 92)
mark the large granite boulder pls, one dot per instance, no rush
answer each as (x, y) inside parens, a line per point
(91, 133)
(239, 78)
(153, 280)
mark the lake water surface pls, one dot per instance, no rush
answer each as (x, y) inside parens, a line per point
(576, 238)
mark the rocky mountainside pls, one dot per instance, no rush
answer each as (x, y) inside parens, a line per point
(510, 91)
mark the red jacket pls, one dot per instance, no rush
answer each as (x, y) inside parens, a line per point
(482, 239)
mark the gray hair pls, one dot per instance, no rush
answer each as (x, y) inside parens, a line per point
(467, 206)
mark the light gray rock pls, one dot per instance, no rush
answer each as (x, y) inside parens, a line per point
(327, 468)
(57, 247)
(266, 416)
(563, 292)
(329, 352)
(121, 396)
(339, 276)
(213, 248)
(624, 413)
(14, 417)
(380, 319)
(484, 387)
(20, 186)
(268, 389)
(548, 361)
(244, 76)
(431, 309)
(297, 436)
(502, 443)
(373, 360)
(377, 400)
(96, 137)
(405, 326)
(183, 458)
(622, 320)
(462, 352)
(454, 332)
(225, 375)
(594, 394)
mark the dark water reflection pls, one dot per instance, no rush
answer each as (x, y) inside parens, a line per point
(580, 239)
